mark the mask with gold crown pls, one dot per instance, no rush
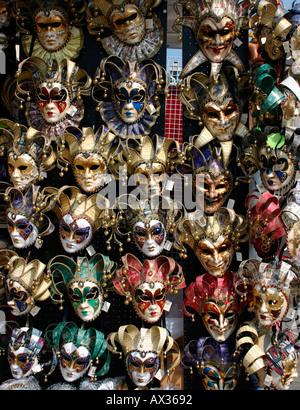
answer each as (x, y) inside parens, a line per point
(86, 282)
(213, 238)
(30, 156)
(144, 351)
(127, 94)
(79, 351)
(52, 93)
(26, 284)
(148, 221)
(51, 28)
(130, 30)
(215, 25)
(80, 216)
(26, 215)
(90, 155)
(147, 161)
(147, 284)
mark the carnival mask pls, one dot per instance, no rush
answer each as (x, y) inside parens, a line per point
(4, 16)
(18, 298)
(22, 231)
(293, 240)
(130, 99)
(21, 362)
(289, 365)
(75, 234)
(151, 174)
(142, 367)
(22, 170)
(220, 320)
(221, 377)
(214, 190)
(149, 301)
(272, 45)
(150, 237)
(221, 119)
(53, 101)
(52, 29)
(277, 169)
(215, 256)
(216, 38)
(270, 304)
(89, 171)
(74, 361)
(128, 24)
(86, 298)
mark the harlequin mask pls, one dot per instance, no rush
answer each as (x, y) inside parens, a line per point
(128, 24)
(26, 283)
(214, 361)
(53, 101)
(130, 99)
(147, 285)
(214, 238)
(217, 302)
(272, 286)
(143, 349)
(77, 349)
(26, 215)
(87, 283)
(23, 351)
(52, 29)
(80, 217)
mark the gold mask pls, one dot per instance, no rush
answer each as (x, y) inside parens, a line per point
(52, 29)
(89, 171)
(128, 24)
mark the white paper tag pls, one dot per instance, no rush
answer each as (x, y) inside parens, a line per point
(106, 306)
(268, 380)
(238, 42)
(2, 323)
(36, 369)
(239, 256)
(91, 250)
(151, 109)
(159, 375)
(230, 204)
(168, 245)
(35, 310)
(169, 184)
(149, 24)
(92, 371)
(168, 305)
(72, 111)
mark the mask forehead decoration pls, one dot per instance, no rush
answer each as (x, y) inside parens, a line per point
(81, 214)
(213, 173)
(19, 140)
(90, 155)
(271, 25)
(148, 160)
(224, 18)
(127, 94)
(265, 223)
(156, 339)
(91, 339)
(215, 362)
(130, 30)
(53, 27)
(271, 286)
(87, 283)
(217, 105)
(218, 296)
(275, 156)
(32, 205)
(29, 276)
(222, 231)
(53, 94)
(147, 220)
(147, 284)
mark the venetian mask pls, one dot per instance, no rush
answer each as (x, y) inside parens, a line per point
(142, 367)
(216, 38)
(4, 16)
(293, 240)
(74, 361)
(128, 24)
(220, 378)
(149, 301)
(18, 298)
(215, 255)
(215, 190)
(220, 320)
(150, 237)
(277, 169)
(289, 370)
(221, 118)
(270, 304)
(272, 45)
(53, 101)
(152, 175)
(130, 100)
(22, 169)
(86, 298)
(21, 362)
(52, 29)
(89, 171)
(22, 231)
(75, 233)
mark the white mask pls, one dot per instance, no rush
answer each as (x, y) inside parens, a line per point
(142, 367)
(75, 234)
(74, 361)
(23, 233)
(20, 362)
(150, 237)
